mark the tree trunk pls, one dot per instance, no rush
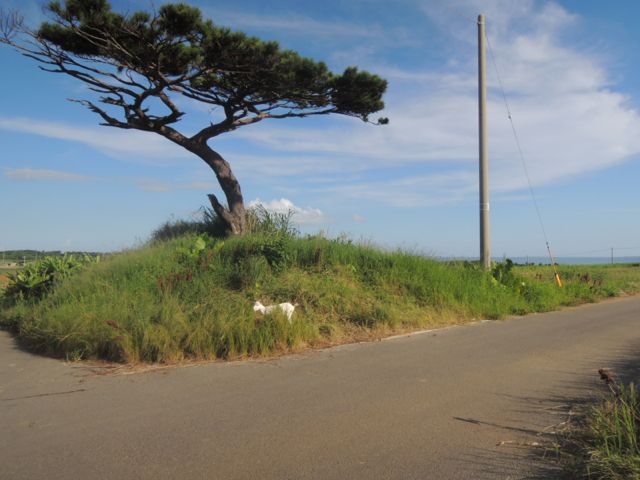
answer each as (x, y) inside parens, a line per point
(233, 215)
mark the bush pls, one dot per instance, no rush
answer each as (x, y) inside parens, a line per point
(259, 221)
(209, 223)
(37, 279)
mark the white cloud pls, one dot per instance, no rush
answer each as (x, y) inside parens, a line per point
(197, 186)
(153, 185)
(30, 174)
(343, 42)
(303, 216)
(112, 141)
(358, 218)
(146, 184)
(291, 23)
(568, 116)
(415, 191)
(149, 185)
(316, 166)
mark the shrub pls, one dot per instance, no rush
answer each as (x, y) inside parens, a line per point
(504, 274)
(259, 221)
(38, 278)
(209, 223)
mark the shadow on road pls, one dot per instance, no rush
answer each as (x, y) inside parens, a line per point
(536, 444)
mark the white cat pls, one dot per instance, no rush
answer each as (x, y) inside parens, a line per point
(287, 308)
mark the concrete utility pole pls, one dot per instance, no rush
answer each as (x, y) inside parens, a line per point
(485, 242)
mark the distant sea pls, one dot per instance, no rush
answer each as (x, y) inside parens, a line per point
(559, 260)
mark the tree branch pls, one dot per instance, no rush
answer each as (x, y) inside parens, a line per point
(110, 121)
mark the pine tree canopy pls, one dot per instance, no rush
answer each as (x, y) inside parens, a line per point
(178, 50)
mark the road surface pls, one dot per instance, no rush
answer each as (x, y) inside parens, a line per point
(459, 403)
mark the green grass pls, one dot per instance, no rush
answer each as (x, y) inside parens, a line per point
(191, 298)
(590, 282)
(613, 426)
(604, 444)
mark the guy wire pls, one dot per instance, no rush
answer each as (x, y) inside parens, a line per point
(524, 164)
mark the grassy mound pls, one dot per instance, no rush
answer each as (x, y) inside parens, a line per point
(192, 297)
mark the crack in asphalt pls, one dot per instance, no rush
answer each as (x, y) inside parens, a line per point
(43, 395)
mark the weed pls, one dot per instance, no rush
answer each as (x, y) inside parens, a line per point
(603, 444)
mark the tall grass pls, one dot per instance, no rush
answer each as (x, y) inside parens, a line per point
(604, 443)
(259, 221)
(192, 296)
(613, 436)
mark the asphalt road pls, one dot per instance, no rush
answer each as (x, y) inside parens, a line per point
(459, 403)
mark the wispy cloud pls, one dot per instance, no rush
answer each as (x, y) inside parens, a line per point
(120, 143)
(415, 191)
(288, 167)
(146, 184)
(569, 118)
(149, 185)
(343, 42)
(290, 23)
(302, 216)
(153, 185)
(30, 174)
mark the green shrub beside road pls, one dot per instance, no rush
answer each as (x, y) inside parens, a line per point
(37, 279)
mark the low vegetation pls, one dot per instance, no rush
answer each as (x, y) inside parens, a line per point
(36, 279)
(189, 295)
(603, 442)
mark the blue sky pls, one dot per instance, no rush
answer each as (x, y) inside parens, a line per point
(571, 71)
